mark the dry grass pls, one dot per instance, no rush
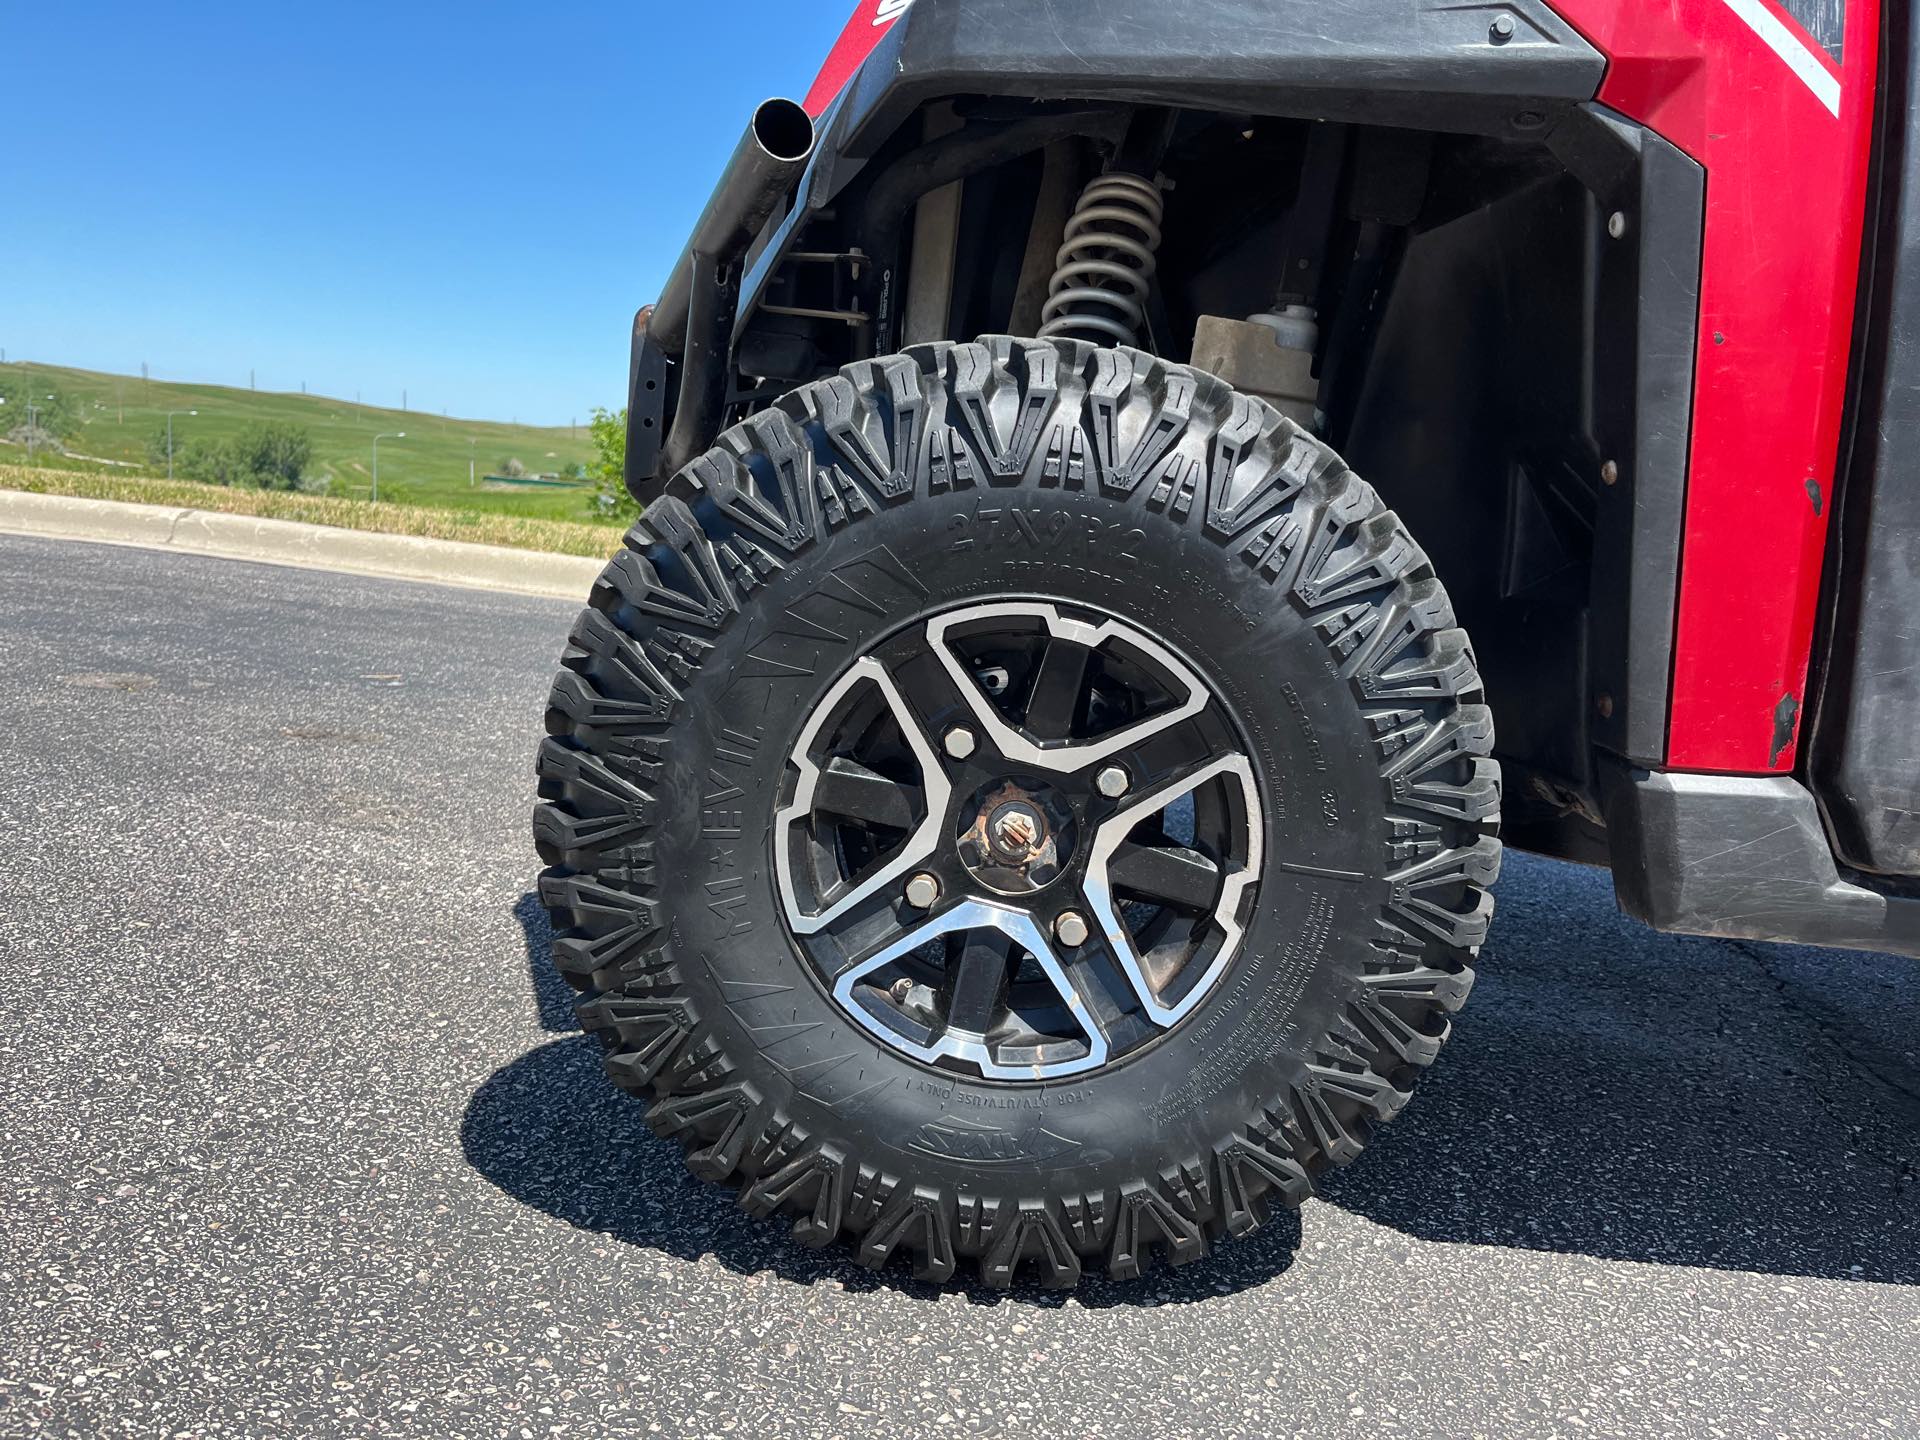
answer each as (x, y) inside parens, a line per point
(559, 537)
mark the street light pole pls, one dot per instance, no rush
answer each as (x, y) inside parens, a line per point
(170, 415)
(396, 435)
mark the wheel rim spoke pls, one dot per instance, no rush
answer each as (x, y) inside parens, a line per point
(1100, 981)
(850, 789)
(950, 1041)
(977, 964)
(1019, 746)
(1171, 874)
(1059, 682)
(930, 692)
(1171, 755)
(919, 845)
(1099, 886)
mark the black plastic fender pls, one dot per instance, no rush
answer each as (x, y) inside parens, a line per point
(1397, 62)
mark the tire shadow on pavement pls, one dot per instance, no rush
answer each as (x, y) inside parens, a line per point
(553, 998)
(550, 1130)
(1608, 1091)
(1618, 1093)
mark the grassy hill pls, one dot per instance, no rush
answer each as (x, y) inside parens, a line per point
(120, 415)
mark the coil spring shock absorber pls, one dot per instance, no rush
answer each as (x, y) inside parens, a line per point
(1103, 270)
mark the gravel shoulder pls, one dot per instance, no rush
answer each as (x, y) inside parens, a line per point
(290, 542)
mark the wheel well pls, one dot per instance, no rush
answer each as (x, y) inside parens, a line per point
(1485, 356)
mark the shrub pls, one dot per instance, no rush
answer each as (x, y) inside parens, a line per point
(608, 430)
(274, 456)
(269, 456)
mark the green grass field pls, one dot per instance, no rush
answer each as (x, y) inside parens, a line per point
(120, 415)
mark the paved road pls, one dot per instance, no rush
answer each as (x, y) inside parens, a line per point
(299, 1137)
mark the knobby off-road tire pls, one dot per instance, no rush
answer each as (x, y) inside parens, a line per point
(1106, 483)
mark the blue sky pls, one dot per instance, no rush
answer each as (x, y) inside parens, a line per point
(464, 201)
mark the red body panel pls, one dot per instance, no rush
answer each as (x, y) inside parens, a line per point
(1786, 190)
(871, 20)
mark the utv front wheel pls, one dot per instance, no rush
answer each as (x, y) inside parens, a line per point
(1022, 802)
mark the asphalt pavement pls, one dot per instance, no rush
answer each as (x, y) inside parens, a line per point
(297, 1136)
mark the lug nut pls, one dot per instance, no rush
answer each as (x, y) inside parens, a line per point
(1112, 782)
(1070, 929)
(960, 742)
(922, 891)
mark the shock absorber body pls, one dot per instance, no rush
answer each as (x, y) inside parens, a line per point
(1104, 270)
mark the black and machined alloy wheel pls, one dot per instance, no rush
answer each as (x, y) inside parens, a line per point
(1018, 801)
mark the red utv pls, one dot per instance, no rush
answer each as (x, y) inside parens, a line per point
(1032, 799)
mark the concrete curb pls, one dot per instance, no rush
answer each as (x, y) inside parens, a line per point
(289, 542)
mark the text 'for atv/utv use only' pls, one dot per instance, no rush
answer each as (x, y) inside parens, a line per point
(1030, 800)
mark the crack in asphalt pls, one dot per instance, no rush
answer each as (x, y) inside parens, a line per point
(1900, 1167)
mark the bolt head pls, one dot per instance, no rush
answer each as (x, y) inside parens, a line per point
(960, 742)
(1017, 829)
(900, 990)
(1071, 929)
(922, 890)
(1501, 30)
(1111, 782)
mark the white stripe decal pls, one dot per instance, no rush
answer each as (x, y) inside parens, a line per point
(1789, 47)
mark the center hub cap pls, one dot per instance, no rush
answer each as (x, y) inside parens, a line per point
(1017, 835)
